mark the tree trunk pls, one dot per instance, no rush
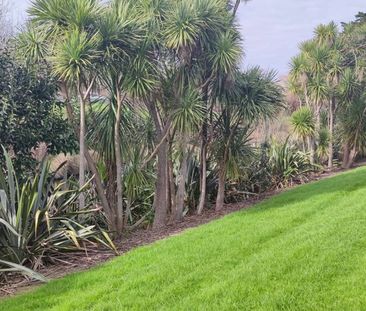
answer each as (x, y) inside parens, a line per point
(266, 131)
(91, 164)
(171, 194)
(171, 182)
(352, 157)
(203, 178)
(317, 130)
(312, 149)
(203, 153)
(222, 174)
(317, 118)
(127, 213)
(111, 190)
(181, 184)
(236, 7)
(331, 130)
(221, 188)
(119, 173)
(346, 155)
(160, 204)
(82, 147)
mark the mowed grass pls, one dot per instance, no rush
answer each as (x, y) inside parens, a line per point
(304, 249)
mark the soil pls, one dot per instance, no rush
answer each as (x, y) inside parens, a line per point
(77, 262)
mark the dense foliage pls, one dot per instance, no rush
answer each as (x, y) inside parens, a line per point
(30, 113)
(164, 114)
(176, 97)
(328, 78)
(39, 221)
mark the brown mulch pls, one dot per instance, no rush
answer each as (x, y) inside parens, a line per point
(82, 261)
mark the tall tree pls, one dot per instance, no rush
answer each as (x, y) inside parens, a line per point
(54, 26)
(252, 96)
(73, 63)
(119, 32)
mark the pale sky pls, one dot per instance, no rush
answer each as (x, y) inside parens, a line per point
(272, 29)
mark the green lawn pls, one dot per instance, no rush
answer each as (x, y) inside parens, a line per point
(302, 250)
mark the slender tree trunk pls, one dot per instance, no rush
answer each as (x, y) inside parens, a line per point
(221, 188)
(160, 204)
(312, 149)
(318, 118)
(266, 131)
(111, 190)
(203, 178)
(306, 94)
(352, 157)
(222, 174)
(346, 155)
(182, 183)
(127, 213)
(236, 7)
(119, 173)
(91, 164)
(82, 147)
(331, 130)
(203, 154)
(171, 195)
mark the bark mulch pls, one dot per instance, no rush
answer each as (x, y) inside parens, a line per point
(82, 261)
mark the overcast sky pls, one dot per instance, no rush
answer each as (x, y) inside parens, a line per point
(272, 29)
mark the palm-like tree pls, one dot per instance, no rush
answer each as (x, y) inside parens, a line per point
(310, 72)
(188, 66)
(326, 34)
(328, 37)
(335, 72)
(187, 119)
(353, 115)
(73, 56)
(352, 131)
(216, 63)
(73, 63)
(316, 60)
(253, 96)
(54, 21)
(119, 32)
(298, 78)
(303, 123)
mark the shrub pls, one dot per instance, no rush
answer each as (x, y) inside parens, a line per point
(39, 221)
(287, 164)
(30, 114)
